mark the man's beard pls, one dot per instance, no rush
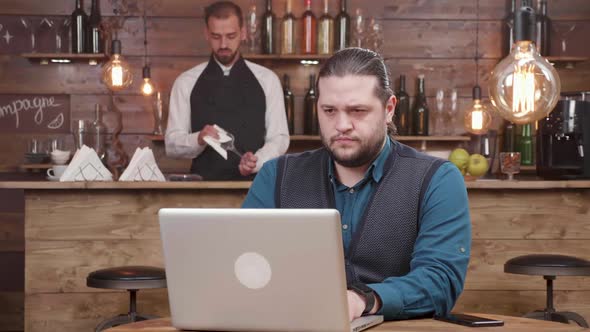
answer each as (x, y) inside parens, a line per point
(366, 153)
(225, 59)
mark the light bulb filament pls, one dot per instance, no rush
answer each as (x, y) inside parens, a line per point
(147, 87)
(477, 120)
(117, 75)
(523, 90)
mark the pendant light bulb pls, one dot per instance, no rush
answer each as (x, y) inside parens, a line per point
(524, 87)
(147, 87)
(116, 73)
(477, 118)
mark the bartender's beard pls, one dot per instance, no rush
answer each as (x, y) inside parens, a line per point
(225, 56)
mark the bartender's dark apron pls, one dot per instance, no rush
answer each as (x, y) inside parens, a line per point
(237, 104)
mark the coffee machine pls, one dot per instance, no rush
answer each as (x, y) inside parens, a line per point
(563, 139)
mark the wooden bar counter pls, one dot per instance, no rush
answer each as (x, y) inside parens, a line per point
(72, 229)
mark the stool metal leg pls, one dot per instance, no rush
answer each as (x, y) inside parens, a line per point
(133, 304)
(112, 322)
(574, 317)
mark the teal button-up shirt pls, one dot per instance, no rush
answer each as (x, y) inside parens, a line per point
(441, 253)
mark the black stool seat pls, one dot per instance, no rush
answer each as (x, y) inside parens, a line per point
(548, 265)
(128, 277)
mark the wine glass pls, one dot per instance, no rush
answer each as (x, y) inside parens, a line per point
(358, 30)
(451, 113)
(439, 116)
(253, 30)
(375, 38)
(29, 24)
(510, 163)
(62, 34)
(563, 29)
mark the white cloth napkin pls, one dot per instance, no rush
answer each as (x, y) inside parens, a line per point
(216, 143)
(86, 166)
(143, 167)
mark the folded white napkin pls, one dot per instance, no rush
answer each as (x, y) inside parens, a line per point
(142, 167)
(216, 143)
(86, 166)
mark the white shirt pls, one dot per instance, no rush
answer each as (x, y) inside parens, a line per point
(181, 142)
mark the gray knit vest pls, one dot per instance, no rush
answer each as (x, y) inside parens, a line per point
(384, 241)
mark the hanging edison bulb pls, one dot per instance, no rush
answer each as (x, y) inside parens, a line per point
(477, 118)
(147, 87)
(116, 73)
(524, 87)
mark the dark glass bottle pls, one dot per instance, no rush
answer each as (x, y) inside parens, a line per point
(508, 29)
(342, 28)
(508, 144)
(289, 104)
(402, 108)
(309, 34)
(79, 28)
(311, 126)
(268, 22)
(94, 33)
(543, 28)
(524, 144)
(420, 112)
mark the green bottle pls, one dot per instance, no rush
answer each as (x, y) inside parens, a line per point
(525, 145)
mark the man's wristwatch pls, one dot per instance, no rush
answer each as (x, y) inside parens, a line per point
(366, 293)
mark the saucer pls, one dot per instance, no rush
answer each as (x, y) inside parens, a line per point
(52, 178)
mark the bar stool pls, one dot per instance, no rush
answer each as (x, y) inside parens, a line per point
(550, 266)
(132, 279)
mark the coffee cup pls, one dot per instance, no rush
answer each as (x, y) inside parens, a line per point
(56, 171)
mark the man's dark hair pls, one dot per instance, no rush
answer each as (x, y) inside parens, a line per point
(360, 62)
(223, 10)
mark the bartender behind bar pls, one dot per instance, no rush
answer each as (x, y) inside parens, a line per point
(242, 98)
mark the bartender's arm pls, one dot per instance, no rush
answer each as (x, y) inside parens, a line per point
(181, 142)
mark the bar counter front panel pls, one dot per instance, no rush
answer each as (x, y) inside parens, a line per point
(72, 229)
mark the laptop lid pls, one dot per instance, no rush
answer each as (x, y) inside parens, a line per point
(255, 269)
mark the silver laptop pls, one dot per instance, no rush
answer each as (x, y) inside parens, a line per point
(256, 270)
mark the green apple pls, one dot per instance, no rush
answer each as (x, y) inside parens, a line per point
(460, 157)
(478, 165)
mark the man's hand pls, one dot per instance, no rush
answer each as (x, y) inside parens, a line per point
(208, 130)
(356, 305)
(247, 163)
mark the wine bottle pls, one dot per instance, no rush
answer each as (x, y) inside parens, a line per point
(402, 108)
(268, 21)
(311, 126)
(288, 31)
(289, 104)
(543, 28)
(99, 133)
(420, 111)
(508, 29)
(342, 28)
(94, 33)
(309, 28)
(508, 144)
(79, 26)
(326, 32)
(524, 144)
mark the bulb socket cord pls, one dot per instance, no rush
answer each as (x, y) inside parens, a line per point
(525, 24)
(116, 47)
(476, 93)
(147, 73)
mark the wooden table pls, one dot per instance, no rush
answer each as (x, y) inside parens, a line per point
(515, 324)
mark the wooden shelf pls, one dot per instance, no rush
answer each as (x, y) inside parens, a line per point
(528, 167)
(35, 166)
(566, 61)
(47, 58)
(155, 138)
(287, 57)
(398, 138)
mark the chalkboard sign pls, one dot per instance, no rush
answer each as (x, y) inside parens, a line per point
(34, 113)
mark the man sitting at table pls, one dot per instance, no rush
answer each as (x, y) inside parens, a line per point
(405, 217)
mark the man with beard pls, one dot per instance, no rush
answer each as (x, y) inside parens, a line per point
(241, 97)
(405, 218)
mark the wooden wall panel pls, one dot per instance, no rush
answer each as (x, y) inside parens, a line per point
(401, 9)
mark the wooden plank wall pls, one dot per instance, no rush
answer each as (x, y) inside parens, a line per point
(120, 228)
(433, 37)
